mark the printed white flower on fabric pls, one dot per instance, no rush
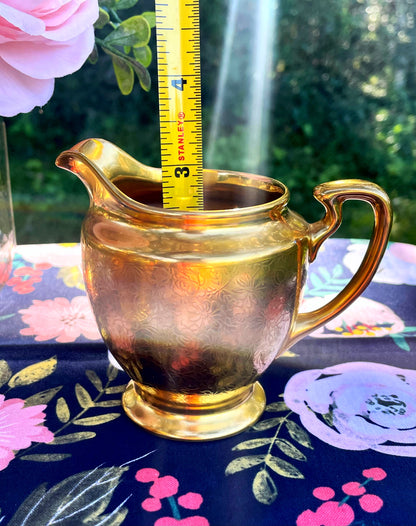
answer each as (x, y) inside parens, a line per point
(58, 255)
(358, 406)
(397, 267)
(364, 318)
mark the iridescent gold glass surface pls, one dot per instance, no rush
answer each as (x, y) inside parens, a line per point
(196, 305)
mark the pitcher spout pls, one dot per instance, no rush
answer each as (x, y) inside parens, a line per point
(104, 168)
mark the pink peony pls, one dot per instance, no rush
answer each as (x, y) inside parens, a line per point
(41, 40)
(60, 319)
(19, 427)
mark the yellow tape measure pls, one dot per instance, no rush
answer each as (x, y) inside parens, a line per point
(179, 75)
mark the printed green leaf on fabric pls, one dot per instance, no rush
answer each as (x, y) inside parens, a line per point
(79, 499)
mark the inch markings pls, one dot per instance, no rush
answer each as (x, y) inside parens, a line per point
(178, 52)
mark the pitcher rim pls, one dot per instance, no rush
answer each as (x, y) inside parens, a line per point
(281, 200)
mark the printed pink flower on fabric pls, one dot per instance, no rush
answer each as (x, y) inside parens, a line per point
(190, 501)
(60, 319)
(370, 406)
(19, 427)
(24, 278)
(371, 503)
(195, 520)
(330, 513)
(354, 489)
(375, 473)
(164, 487)
(323, 493)
(41, 40)
(147, 475)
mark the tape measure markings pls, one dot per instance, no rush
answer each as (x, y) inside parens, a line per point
(180, 103)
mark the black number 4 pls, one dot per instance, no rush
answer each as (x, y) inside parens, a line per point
(178, 83)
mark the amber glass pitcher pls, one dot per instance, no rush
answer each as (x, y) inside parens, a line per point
(196, 305)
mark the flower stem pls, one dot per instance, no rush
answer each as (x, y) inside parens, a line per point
(175, 509)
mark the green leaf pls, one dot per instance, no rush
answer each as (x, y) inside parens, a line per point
(6, 316)
(289, 449)
(93, 58)
(124, 75)
(116, 389)
(83, 397)
(325, 274)
(264, 488)
(239, 464)
(268, 423)
(400, 341)
(277, 407)
(329, 419)
(298, 434)
(33, 373)
(94, 379)
(103, 19)
(43, 397)
(126, 4)
(46, 458)
(142, 75)
(108, 3)
(316, 282)
(283, 468)
(62, 410)
(72, 437)
(112, 373)
(150, 16)
(82, 498)
(252, 444)
(144, 55)
(135, 31)
(5, 372)
(96, 420)
(108, 403)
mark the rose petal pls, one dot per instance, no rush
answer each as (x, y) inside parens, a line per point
(20, 93)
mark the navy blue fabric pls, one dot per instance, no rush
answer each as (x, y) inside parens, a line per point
(94, 478)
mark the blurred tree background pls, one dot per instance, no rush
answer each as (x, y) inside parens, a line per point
(343, 86)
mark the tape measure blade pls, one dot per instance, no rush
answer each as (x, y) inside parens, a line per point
(178, 51)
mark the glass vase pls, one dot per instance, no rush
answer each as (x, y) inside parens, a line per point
(7, 229)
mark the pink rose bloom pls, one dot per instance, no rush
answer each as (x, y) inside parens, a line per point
(41, 40)
(19, 427)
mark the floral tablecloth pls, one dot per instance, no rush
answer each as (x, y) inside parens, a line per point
(336, 445)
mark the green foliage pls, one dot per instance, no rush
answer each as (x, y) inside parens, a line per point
(126, 41)
(345, 97)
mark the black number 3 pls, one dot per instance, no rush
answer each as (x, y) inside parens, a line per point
(179, 172)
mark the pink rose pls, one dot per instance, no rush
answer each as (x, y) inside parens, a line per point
(41, 40)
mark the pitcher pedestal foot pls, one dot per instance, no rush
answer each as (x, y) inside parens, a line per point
(187, 417)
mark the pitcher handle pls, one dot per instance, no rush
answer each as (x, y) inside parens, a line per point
(332, 195)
